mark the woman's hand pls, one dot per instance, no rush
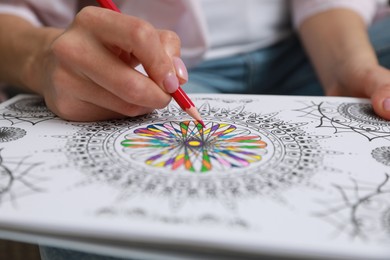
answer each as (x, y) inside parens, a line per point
(360, 79)
(87, 72)
(338, 45)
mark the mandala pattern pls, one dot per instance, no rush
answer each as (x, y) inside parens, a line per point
(15, 178)
(349, 117)
(382, 155)
(30, 109)
(363, 212)
(263, 154)
(8, 134)
(204, 219)
(177, 145)
(386, 221)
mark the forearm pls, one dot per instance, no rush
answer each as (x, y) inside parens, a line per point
(20, 45)
(337, 39)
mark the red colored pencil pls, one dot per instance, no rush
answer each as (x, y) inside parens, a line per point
(179, 95)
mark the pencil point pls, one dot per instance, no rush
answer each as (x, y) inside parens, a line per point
(202, 123)
(194, 113)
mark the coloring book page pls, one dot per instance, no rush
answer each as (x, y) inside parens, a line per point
(269, 175)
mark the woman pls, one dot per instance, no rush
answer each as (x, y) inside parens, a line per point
(84, 60)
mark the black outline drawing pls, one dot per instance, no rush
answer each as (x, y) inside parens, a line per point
(28, 109)
(16, 179)
(294, 156)
(382, 155)
(348, 118)
(8, 134)
(346, 213)
(204, 219)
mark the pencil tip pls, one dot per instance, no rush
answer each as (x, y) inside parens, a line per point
(202, 123)
(194, 113)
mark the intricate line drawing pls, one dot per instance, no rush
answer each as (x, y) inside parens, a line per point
(205, 219)
(363, 212)
(15, 178)
(30, 109)
(187, 145)
(348, 117)
(288, 155)
(8, 134)
(382, 155)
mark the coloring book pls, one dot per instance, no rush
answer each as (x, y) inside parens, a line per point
(306, 177)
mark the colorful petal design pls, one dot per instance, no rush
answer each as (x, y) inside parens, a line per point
(186, 145)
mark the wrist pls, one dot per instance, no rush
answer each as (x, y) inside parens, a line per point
(344, 71)
(38, 59)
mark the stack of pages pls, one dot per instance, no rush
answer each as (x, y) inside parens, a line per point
(269, 176)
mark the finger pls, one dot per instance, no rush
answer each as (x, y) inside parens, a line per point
(103, 98)
(72, 109)
(79, 99)
(376, 85)
(103, 67)
(125, 82)
(381, 101)
(133, 36)
(129, 59)
(89, 113)
(126, 57)
(171, 44)
(181, 70)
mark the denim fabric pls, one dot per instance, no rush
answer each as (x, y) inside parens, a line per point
(52, 253)
(280, 69)
(283, 69)
(380, 39)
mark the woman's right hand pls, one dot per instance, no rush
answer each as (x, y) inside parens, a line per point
(88, 71)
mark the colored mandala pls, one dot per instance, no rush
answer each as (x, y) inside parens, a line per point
(186, 145)
(238, 154)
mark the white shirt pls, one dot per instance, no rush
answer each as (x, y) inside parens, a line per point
(207, 28)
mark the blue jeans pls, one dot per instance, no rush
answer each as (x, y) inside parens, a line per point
(282, 69)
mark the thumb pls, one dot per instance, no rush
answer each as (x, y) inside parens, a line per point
(380, 92)
(380, 100)
(171, 44)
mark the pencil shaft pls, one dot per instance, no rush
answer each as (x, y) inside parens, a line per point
(179, 95)
(108, 4)
(182, 99)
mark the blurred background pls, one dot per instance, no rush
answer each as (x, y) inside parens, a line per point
(10, 250)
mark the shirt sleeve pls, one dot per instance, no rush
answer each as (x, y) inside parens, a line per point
(20, 10)
(303, 9)
(58, 13)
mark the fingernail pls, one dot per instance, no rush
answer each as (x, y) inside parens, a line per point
(386, 104)
(180, 67)
(171, 83)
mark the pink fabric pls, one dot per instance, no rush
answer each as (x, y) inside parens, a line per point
(176, 15)
(182, 14)
(55, 13)
(60, 12)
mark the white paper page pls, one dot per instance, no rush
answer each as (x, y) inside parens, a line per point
(278, 175)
